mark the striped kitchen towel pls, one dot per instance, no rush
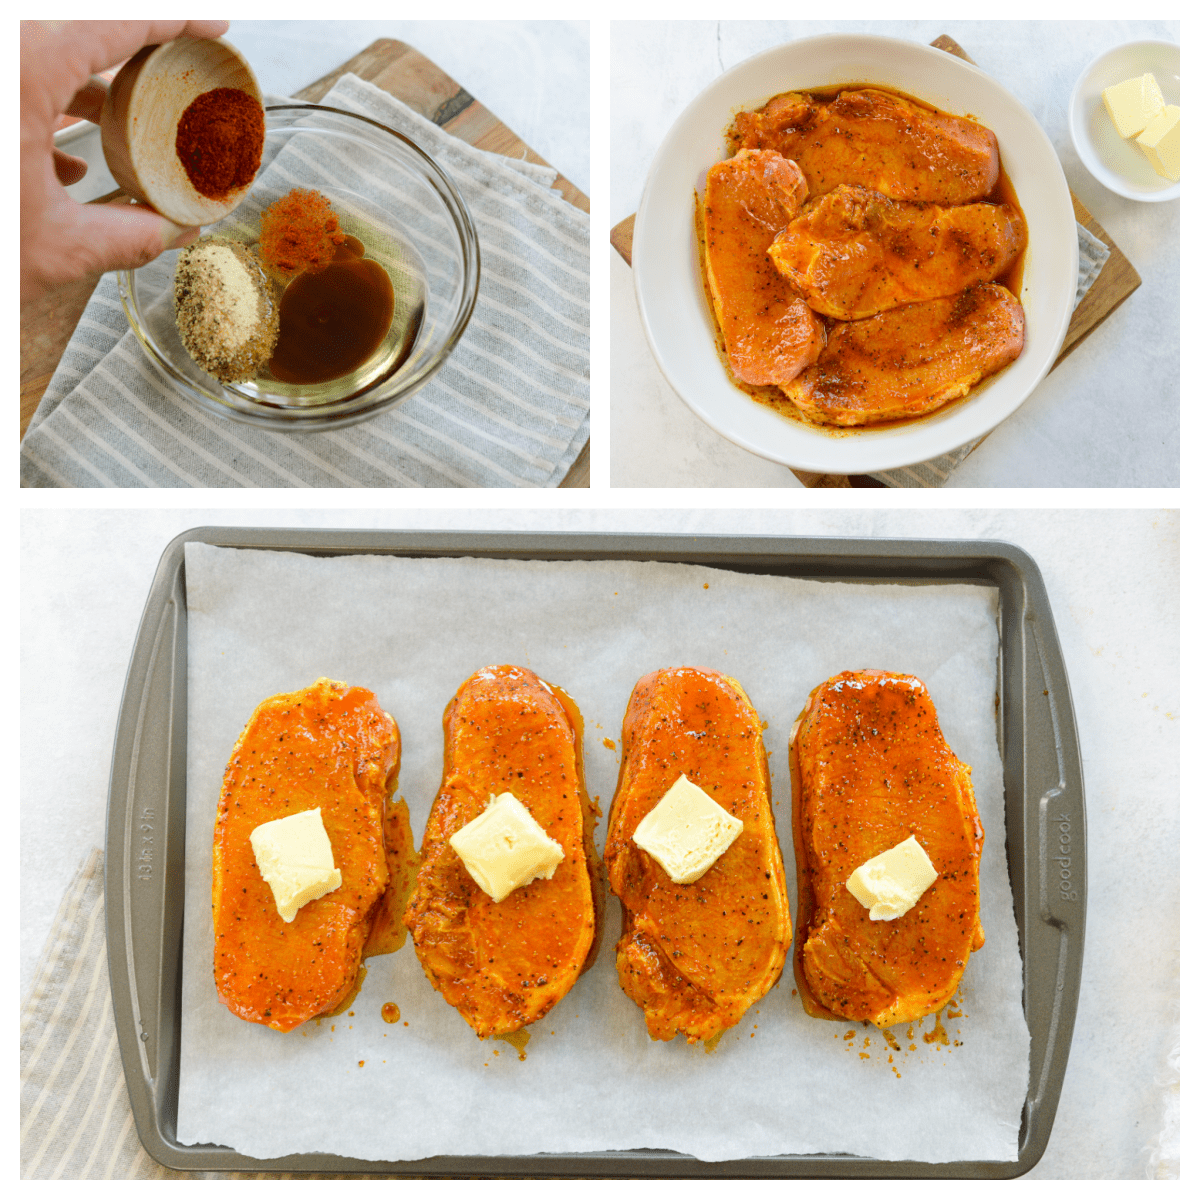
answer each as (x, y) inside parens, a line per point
(509, 409)
(1093, 254)
(76, 1120)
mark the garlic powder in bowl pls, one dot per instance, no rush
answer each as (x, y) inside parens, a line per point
(226, 315)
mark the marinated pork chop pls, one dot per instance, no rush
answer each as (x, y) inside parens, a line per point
(770, 334)
(695, 956)
(878, 140)
(911, 360)
(505, 964)
(853, 252)
(329, 746)
(870, 768)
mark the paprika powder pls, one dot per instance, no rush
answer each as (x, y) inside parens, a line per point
(300, 232)
(219, 141)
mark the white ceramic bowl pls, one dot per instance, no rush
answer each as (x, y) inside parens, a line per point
(1118, 162)
(667, 274)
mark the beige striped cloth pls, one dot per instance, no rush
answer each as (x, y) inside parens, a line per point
(76, 1121)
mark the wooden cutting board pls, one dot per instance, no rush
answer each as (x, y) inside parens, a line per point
(47, 324)
(1115, 284)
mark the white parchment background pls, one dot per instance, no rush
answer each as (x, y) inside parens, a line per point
(412, 630)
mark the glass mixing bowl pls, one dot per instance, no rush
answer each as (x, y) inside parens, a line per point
(397, 201)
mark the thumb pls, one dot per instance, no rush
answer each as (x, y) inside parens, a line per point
(110, 237)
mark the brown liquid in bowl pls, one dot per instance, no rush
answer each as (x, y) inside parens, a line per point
(332, 321)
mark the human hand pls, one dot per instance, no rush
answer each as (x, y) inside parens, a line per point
(62, 240)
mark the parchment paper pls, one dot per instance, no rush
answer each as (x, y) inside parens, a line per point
(412, 630)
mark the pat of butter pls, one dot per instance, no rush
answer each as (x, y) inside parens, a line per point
(1133, 104)
(296, 859)
(504, 848)
(892, 882)
(686, 831)
(1160, 142)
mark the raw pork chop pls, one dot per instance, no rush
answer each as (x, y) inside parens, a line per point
(771, 335)
(853, 252)
(696, 956)
(911, 360)
(878, 140)
(506, 964)
(870, 769)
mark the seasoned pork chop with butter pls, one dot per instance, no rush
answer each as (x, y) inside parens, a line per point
(911, 360)
(878, 140)
(695, 956)
(331, 748)
(854, 252)
(770, 334)
(870, 770)
(506, 963)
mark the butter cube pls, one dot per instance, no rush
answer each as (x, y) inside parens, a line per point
(892, 882)
(295, 857)
(686, 831)
(1132, 105)
(504, 848)
(1160, 142)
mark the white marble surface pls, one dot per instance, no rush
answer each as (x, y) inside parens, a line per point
(1107, 417)
(1113, 581)
(533, 75)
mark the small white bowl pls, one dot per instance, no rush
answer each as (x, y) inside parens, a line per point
(1118, 162)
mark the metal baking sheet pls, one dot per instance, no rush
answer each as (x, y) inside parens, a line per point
(1045, 833)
